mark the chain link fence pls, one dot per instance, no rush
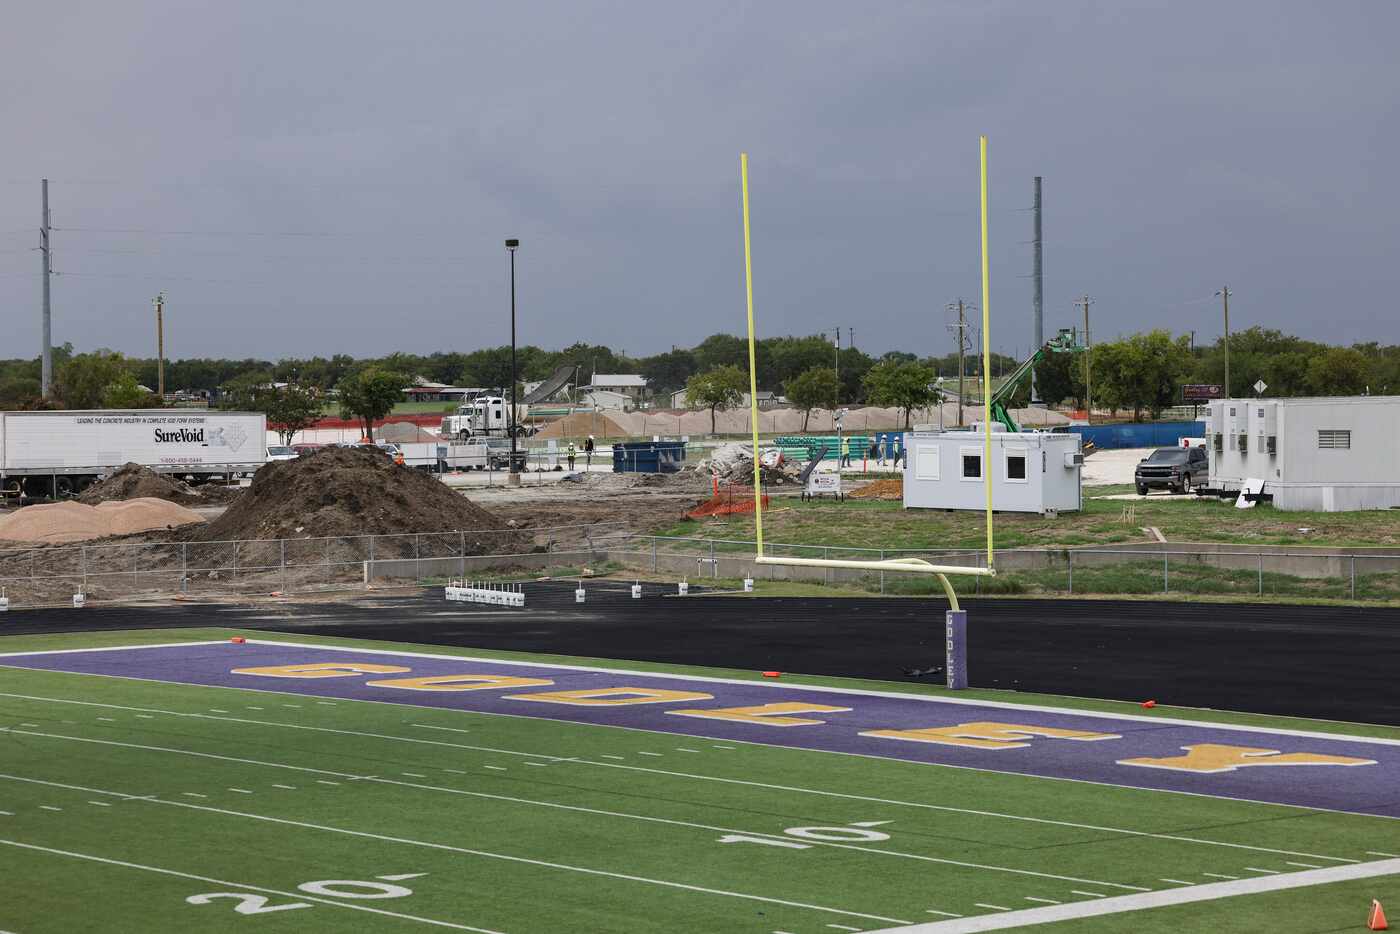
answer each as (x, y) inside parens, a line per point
(34, 576)
(51, 575)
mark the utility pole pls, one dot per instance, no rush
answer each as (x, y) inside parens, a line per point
(1224, 294)
(836, 401)
(46, 363)
(1038, 302)
(851, 333)
(159, 302)
(961, 328)
(1086, 301)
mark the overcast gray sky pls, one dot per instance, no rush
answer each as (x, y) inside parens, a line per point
(1183, 145)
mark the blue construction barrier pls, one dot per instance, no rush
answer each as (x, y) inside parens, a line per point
(1139, 435)
(648, 456)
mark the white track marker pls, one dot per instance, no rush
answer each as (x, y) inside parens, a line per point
(217, 710)
(1088, 894)
(255, 708)
(286, 787)
(656, 754)
(1304, 865)
(993, 907)
(107, 719)
(457, 849)
(49, 807)
(715, 778)
(1043, 901)
(455, 771)
(101, 804)
(539, 765)
(1218, 875)
(683, 749)
(301, 896)
(946, 914)
(1119, 904)
(496, 768)
(297, 706)
(1267, 872)
(241, 791)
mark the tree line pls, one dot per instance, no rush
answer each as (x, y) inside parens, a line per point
(1140, 374)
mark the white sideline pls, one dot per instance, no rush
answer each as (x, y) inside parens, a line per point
(457, 849)
(710, 778)
(562, 807)
(771, 685)
(298, 896)
(1122, 903)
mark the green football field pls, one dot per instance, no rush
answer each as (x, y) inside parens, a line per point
(140, 806)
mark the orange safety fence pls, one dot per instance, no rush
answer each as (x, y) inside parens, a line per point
(729, 499)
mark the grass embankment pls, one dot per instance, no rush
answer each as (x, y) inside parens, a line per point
(1106, 522)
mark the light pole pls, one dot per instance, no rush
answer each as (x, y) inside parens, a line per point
(513, 475)
(1224, 294)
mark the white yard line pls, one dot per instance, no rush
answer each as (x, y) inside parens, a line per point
(286, 787)
(946, 914)
(1267, 872)
(1088, 894)
(1177, 881)
(407, 841)
(1125, 903)
(1218, 875)
(299, 896)
(1386, 855)
(993, 907)
(1304, 865)
(712, 778)
(101, 804)
(570, 807)
(1043, 901)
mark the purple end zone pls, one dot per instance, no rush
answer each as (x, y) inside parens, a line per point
(1366, 780)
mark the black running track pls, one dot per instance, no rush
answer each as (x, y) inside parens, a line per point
(1330, 662)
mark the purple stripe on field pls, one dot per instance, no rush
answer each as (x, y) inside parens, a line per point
(1364, 789)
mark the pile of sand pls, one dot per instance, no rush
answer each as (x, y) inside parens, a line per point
(785, 421)
(406, 433)
(346, 491)
(57, 523)
(880, 489)
(132, 481)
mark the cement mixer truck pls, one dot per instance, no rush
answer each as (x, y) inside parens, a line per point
(486, 417)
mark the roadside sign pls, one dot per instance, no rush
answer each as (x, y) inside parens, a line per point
(1260, 386)
(1202, 392)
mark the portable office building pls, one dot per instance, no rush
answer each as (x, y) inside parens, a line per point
(1032, 471)
(1327, 454)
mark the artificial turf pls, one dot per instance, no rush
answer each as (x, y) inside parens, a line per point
(529, 825)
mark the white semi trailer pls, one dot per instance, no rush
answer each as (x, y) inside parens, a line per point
(57, 454)
(485, 417)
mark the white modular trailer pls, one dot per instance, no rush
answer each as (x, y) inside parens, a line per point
(1326, 454)
(1032, 471)
(48, 453)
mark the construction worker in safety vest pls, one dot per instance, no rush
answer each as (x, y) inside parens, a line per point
(572, 451)
(845, 452)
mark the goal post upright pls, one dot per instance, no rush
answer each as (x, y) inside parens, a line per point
(956, 617)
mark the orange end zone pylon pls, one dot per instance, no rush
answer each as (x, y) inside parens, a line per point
(1377, 920)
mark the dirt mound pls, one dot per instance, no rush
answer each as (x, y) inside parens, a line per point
(346, 491)
(132, 481)
(880, 489)
(78, 522)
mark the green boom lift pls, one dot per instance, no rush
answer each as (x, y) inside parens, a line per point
(1063, 342)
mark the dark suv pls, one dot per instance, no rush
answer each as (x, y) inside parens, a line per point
(1176, 469)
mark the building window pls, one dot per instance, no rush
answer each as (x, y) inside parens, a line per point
(1334, 438)
(971, 465)
(1016, 466)
(926, 462)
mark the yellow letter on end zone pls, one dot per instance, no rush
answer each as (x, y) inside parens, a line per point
(612, 697)
(987, 735)
(322, 670)
(766, 714)
(460, 683)
(1216, 757)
